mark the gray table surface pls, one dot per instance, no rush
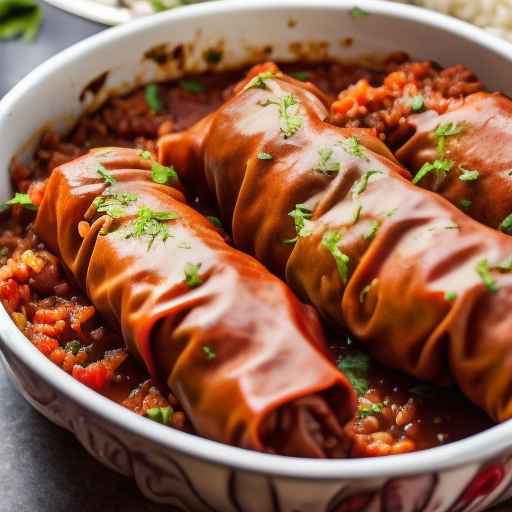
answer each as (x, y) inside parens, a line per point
(42, 467)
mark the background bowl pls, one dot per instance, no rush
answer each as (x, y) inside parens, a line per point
(189, 472)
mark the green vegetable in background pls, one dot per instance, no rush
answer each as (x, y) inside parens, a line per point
(19, 18)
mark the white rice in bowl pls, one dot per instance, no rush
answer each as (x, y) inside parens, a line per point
(493, 15)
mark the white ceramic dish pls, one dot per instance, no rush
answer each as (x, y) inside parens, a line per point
(196, 474)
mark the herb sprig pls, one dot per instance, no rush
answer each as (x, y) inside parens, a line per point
(355, 366)
(301, 215)
(326, 164)
(150, 224)
(445, 130)
(330, 241)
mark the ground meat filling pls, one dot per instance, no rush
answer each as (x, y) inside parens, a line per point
(411, 88)
(396, 414)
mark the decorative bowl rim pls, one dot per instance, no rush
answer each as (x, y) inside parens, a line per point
(482, 446)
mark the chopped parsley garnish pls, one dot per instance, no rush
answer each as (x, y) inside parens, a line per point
(506, 224)
(361, 184)
(150, 224)
(357, 12)
(465, 204)
(114, 204)
(300, 215)
(483, 270)
(330, 241)
(215, 221)
(161, 415)
(259, 81)
(450, 296)
(209, 352)
(418, 103)
(145, 155)
(303, 76)
(107, 177)
(192, 85)
(264, 156)
(213, 56)
(152, 99)
(73, 347)
(192, 278)
(468, 175)
(445, 130)
(355, 366)
(326, 164)
(369, 410)
(353, 147)
(374, 228)
(357, 213)
(162, 174)
(19, 18)
(440, 167)
(22, 200)
(290, 118)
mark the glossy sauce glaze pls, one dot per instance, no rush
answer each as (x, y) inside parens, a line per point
(396, 413)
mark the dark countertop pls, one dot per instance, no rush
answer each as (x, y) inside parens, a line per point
(42, 467)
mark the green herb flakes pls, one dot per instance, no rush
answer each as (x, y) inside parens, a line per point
(22, 200)
(209, 352)
(372, 232)
(506, 224)
(369, 410)
(330, 241)
(106, 176)
(20, 18)
(150, 224)
(301, 214)
(152, 98)
(465, 204)
(357, 213)
(450, 296)
(468, 175)
(303, 76)
(73, 347)
(259, 81)
(355, 366)
(445, 130)
(161, 415)
(290, 118)
(264, 156)
(145, 155)
(326, 164)
(192, 277)
(162, 174)
(192, 85)
(114, 205)
(215, 221)
(418, 103)
(353, 147)
(357, 12)
(439, 167)
(213, 56)
(483, 270)
(361, 184)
